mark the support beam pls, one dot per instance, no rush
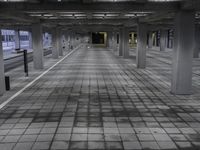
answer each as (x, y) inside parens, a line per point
(60, 42)
(17, 39)
(114, 41)
(109, 39)
(121, 38)
(2, 76)
(55, 44)
(150, 44)
(197, 41)
(126, 42)
(37, 46)
(183, 52)
(89, 7)
(72, 40)
(67, 41)
(163, 39)
(30, 40)
(64, 41)
(141, 45)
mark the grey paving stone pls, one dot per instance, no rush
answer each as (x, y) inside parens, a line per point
(114, 145)
(150, 145)
(145, 137)
(23, 146)
(45, 137)
(96, 100)
(79, 137)
(96, 145)
(167, 145)
(7, 146)
(132, 146)
(95, 137)
(78, 145)
(58, 145)
(11, 138)
(41, 145)
(62, 137)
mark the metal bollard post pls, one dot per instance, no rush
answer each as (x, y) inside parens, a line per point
(7, 83)
(25, 63)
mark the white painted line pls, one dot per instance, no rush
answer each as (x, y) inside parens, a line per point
(29, 84)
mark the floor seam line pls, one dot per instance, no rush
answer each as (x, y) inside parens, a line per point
(37, 78)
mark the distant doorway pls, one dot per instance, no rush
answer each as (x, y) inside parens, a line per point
(99, 39)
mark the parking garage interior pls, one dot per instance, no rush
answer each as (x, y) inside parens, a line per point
(99, 75)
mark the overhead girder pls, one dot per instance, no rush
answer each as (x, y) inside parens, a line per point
(16, 13)
(91, 7)
(126, 22)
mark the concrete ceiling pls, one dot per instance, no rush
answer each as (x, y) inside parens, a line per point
(92, 12)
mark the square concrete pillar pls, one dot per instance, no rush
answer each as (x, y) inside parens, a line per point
(114, 41)
(30, 40)
(126, 42)
(59, 42)
(110, 35)
(55, 44)
(121, 42)
(64, 41)
(163, 39)
(183, 52)
(141, 45)
(69, 40)
(17, 39)
(72, 40)
(2, 76)
(197, 41)
(150, 44)
(38, 52)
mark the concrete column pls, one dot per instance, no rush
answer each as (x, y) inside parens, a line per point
(141, 45)
(60, 42)
(150, 44)
(64, 44)
(72, 38)
(17, 39)
(126, 42)
(2, 76)
(37, 46)
(110, 40)
(67, 41)
(197, 41)
(55, 44)
(163, 40)
(30, 40)
(114, 41)
(121, 42)
(183, 52)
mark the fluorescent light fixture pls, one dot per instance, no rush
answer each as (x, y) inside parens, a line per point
(66, 15)
(35, 15)
(47, 15)
(12, 0)
(164, 0)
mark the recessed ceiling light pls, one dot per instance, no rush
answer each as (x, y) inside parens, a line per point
(164, 0)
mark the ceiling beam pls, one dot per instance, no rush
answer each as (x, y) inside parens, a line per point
(94, 7)
(191, 4)
(126, 22)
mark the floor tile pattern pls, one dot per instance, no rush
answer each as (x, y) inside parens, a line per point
(98, 101)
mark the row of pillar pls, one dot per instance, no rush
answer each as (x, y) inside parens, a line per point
(186, 44)
(36, 40)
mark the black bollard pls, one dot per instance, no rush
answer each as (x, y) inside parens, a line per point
(7, 83)
(25, 63)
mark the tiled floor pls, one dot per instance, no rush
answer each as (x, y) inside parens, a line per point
(95, 100)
